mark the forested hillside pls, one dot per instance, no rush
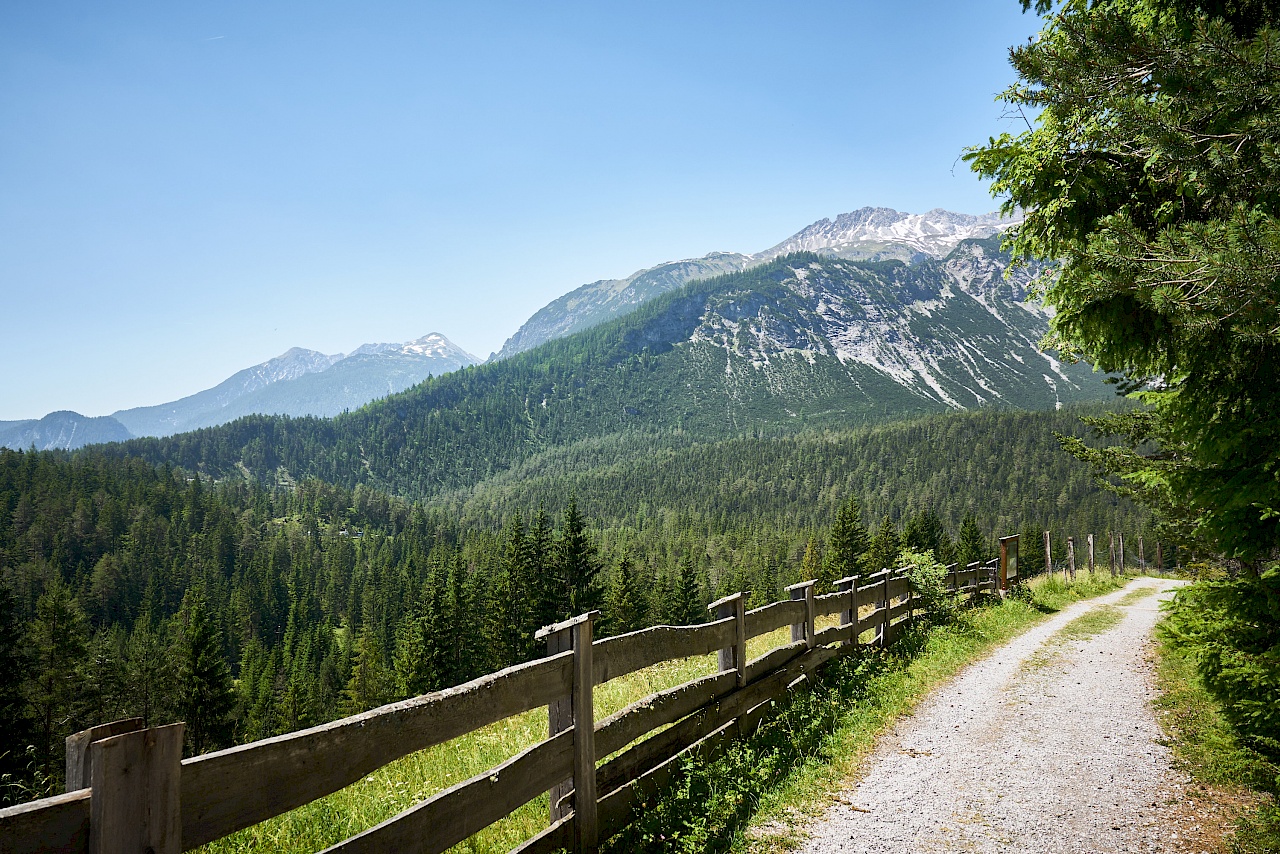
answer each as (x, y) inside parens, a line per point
(248, 611)
(800, 343)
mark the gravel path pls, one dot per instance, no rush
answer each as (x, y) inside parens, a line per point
(1048, 745)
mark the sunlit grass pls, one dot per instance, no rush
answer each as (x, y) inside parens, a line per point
(415, 777)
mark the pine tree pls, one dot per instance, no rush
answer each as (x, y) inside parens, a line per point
(972, 545)
(885, 547)
(207, 698)
(370, 684)
(849, 542)
(577, 563)
(687, 600)
(628, 606)
(59, 640)
(415, 659)
(15, 668)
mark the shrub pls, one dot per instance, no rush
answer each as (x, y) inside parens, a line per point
(928, 580)
(1231, 628)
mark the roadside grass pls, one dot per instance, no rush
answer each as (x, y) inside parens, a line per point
(1239, 781)
(1095, 622)
(814, 741)
(418, 776)
(761, 792)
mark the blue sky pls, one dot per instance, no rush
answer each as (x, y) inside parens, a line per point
(189, 189)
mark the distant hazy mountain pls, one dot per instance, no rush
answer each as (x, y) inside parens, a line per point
(61, 431)
(303, 382)
(873, 234)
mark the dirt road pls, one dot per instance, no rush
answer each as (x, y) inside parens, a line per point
(1048, 745)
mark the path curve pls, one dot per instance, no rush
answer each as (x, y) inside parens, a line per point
(1047, 745)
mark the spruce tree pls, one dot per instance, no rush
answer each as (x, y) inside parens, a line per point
(849, 541)
(370, 684)
(885, 547)
(972, 545)
(15, 670)
(578, 564)
(207, 698)
(59, 640)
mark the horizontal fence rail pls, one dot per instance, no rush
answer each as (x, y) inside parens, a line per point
(202, 799)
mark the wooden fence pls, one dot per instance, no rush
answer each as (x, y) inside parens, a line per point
(132, 792)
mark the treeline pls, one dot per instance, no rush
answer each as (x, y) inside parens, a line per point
(133, 589)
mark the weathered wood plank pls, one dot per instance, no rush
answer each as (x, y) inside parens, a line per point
(447, 818)
(899, 587)
(626, 725)
(831, 603)
(873, 620)
(647, 754)
(899, 610)
(766, 618)
(136, 803)
(58, 824)
(232, 789)
(556, 837)
(623, 654)
(832, 634)
(79, 773)
(773, 659)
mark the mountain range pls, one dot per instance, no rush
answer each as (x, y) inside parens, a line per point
(297, 383)
(943, 327)
(799, 342)
(872, 234)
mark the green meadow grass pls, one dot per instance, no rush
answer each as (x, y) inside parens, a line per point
(907, 675)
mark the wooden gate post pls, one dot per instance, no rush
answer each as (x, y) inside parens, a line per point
(1091, 554)
(576, 712)
(1071, 558)
(803, 631)
(137, 790)
(1120, 565)
(1142, 558)
(1113, 554)
(1048, 554)
(849, 618)
(1159, 557)
(734, 657)
(79, 771)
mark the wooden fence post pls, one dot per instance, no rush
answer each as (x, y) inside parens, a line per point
(1113, 554)
(1091, 554)
(1071, 558)
(137, 789)
(1048, 554)
(79, 769)
(849, 618)
(884, 624)
(1120, 565)
(803, 631)
(1142, 558)
(576, 712)
(1159, 557)
(734, 657)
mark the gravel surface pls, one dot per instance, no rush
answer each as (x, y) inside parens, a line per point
(1048, 745)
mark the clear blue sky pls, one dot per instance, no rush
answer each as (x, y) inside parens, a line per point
(188, 189)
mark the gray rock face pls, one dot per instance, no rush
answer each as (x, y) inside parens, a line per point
(61, 431)
(865, 234)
